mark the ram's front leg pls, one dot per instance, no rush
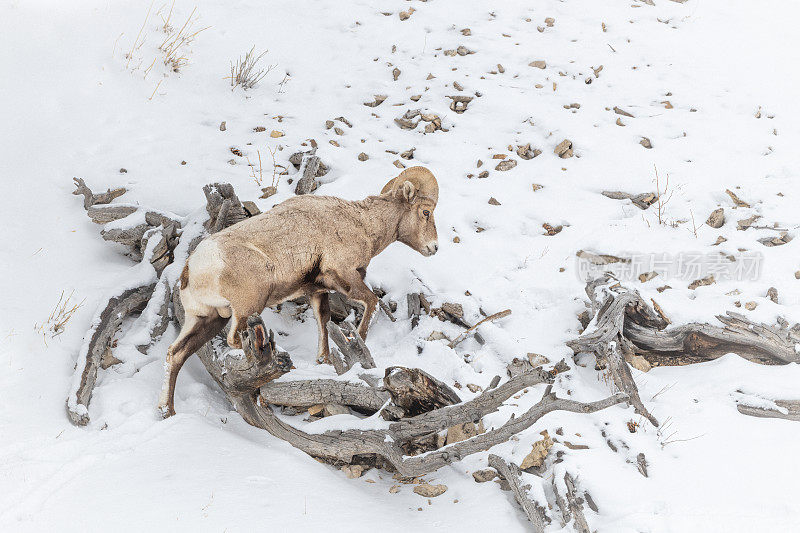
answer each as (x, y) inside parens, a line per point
(353, 287)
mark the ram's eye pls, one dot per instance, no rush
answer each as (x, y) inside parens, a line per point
(426, 213)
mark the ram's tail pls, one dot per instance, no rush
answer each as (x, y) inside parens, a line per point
(185, 276)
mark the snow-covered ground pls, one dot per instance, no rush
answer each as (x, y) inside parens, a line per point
(711, 84)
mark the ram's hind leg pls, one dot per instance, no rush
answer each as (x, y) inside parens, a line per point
(196, 331)
(322, 312)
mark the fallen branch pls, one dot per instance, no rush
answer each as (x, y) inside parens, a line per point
(489, 318)
(511, 472)
(792, 408)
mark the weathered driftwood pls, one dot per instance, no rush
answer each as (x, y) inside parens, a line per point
(416, 391)
(90, 198)
(642, 200)
(98, 342)
(792, 408)
(571, 505)
(309, 166)
(489, 318)
(511, 472)
(353, 349)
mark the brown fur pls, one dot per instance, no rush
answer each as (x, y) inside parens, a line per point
(305, 246)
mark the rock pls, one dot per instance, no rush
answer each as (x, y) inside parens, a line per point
(484, 174)
(457, 86)
(404, 15)
(717, 218)
(328, 124)
(539, 63)
(505, 165)
(738, 201)
(563, 149)
(538, 452)
(379, 99)
(466, 31)
(772, 294)
(708, 280)
(464, 431)
(353, 471)
(459, 103)
(398, 163)
(780, 240)
(647, 276)
(482, 476)
(525, 152)
(430, 127)
(362, 156)
(750, 306)
(416, 97)
(622, 112)
(500, 68)
(619, 122)
(251, 208)
(453, 309)
(646, 143)
(396, 73)
(223, 126)
(474, 388)
(123, 171)
(536, 187)
(552, 230)
(437, 336)
(331, 409)
(493, 201)
(463, 51)
(235, 151)
(549, 21)
(338, 130)
(536, 360)
(405, 123)
(430, 491)
(259, 129)
(747, 222)
(394, 489)
(275, 134)
(408, 154)
(268, 191)
(720, 240)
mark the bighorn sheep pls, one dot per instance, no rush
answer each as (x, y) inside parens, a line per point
(305, 246)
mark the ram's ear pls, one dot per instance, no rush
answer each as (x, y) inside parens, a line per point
(408, 190)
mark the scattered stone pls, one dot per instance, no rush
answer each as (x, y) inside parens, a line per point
(394, 489)
(647, 276)
(750, 306)
(738, 201)
(396, 73)
(223, 126)
(123, 171)
(362, 156)
(235, 151)
(500, 68)
(453, 309)
(379, 99)
(525, 152)
(563, 149)
(404, 15)
(493, 201)
(708, 280)
(720, 240)
(484, 174)
(549, 21)
(408, 154)
(536, 187)
(338, 130)
(619, 122)
(466, 31)
(353, 471)
(717, 218)
(772, 294)
(552, 230)
(416, 97)
(536, 360)
(646, 143)
(259, 129)
(458, 86)
(538, 452)
(398, 163)
(437, 336)
(622, 112)
(463, 51)
(251, 208)
(572, 106)
(430, 491)
(268, 191)
(275, 134)
(667, 104)
(462, 432)
(459, 103)
(780, 240)
(474, 388)
(797, 275)
(505, 165)
(539, 63)
(747, 222)
(482, 476)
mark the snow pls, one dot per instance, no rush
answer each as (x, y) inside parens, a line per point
(72, 108)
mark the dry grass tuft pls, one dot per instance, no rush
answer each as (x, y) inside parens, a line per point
(244, 73)
(56, 323)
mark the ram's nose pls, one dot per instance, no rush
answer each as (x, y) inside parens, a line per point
(432, 248)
